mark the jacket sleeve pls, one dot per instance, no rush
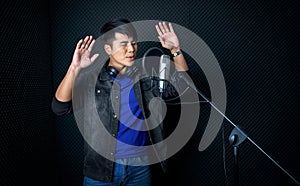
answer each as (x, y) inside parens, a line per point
(61, 108)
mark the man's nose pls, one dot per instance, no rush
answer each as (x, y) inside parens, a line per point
(130, 47)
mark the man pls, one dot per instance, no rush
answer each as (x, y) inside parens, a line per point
(127, 166)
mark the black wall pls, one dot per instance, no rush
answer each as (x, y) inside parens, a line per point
(27, 133)
(256, 44)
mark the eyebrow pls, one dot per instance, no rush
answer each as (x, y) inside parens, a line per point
(125, 42)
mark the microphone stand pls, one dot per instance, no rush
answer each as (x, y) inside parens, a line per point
(235, 139)
(237, 136)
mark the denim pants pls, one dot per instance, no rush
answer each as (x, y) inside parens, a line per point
(125, 174)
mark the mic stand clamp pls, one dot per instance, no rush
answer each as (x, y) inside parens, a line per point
(235, 139)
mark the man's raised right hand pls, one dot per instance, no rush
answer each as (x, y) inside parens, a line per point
(81, 57)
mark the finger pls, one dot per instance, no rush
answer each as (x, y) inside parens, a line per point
(79, 44)
(94, 57)
(88, 42)
(158, 30)
(171, 28)
(161, 41)
(165, 27)
(86, 38)
(91, 45)
(161, 27)
(84, 42)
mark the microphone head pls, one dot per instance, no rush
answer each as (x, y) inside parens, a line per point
(164, 71)
(151, 61)
(164, 67)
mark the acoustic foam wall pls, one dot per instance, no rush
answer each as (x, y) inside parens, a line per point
(27, 133)
(255, 44)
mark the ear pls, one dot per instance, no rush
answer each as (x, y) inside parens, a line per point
(107, 49)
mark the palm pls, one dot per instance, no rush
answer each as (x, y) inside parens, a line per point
(81, 57)
(167, 36)
(169, 40)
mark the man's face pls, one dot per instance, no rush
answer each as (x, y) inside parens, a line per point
(122, 51)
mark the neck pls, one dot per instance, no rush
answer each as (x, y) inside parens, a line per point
(120, 68)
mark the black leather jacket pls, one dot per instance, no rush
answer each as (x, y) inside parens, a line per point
(100, 104)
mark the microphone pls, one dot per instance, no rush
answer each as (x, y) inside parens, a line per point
(164, 72)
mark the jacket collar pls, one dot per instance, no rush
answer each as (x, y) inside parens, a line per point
(104, 76)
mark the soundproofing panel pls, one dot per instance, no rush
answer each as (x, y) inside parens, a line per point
(27, 130)
(257, 46)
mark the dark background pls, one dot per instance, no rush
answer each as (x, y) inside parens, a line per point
(256, 44)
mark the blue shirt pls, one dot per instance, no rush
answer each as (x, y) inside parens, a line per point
(132, 128)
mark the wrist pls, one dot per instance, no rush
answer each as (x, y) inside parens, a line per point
(74, 69)
(176, 53)
(175, 49)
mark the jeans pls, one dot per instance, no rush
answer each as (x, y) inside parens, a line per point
(125, 175)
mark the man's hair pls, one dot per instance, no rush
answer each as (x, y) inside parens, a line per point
(119, 25)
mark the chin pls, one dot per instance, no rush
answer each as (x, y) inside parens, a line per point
(129, 63)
